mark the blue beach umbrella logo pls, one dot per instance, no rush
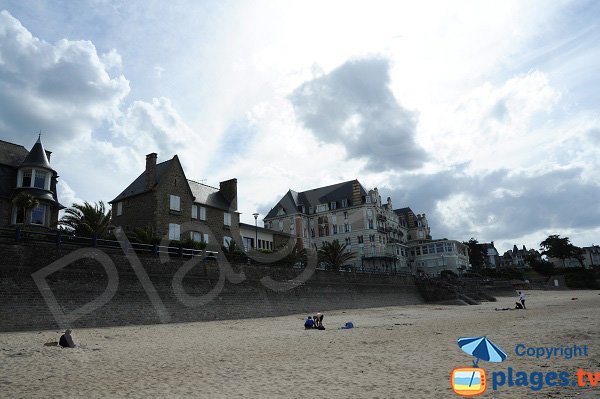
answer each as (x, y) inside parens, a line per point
(471, 381)
(481, 348)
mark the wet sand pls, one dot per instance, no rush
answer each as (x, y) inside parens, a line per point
(393, 352)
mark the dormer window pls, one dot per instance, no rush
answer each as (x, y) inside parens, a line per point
(344, 203)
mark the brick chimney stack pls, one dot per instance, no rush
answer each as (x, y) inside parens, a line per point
(150, 177)
(228, 189)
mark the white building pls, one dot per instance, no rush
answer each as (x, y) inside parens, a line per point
(383, 239)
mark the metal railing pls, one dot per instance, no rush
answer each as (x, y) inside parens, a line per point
(61, 239)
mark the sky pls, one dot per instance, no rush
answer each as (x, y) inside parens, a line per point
(484, 115)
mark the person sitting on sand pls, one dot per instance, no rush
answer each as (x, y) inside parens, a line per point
(66, 341)
(309, 323)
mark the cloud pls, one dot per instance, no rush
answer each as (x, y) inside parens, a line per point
(63, 89)
(501, 205)
(353, 106)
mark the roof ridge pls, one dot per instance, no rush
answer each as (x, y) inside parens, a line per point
(331, 185)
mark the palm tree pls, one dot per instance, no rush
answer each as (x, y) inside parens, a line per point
(334, 254)
(146, 235)
(87, 220)
(25, 202)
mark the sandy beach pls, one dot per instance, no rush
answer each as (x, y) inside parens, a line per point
(393, 352)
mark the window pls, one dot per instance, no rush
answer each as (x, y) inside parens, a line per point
(119, 208)
(335, 229)
(368, 199)
(26, 178)
(226, 241)
(346, 215)
(196, 236)
(227, 219)
(38, 215)
(174, 203)
(370, 223)
(333, 205)
(174, 231)
(40, 179)
(348, 241)
(312, 232)
(310, 209)
(344, 203)
(347, 228)
(371, 238)
(321, 208)
(360, 239)
(198, 212)
(280, 225)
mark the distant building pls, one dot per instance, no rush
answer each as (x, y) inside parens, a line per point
(23, 171)
(383, 239)
(591, 256)
(164, 199)
(491, 255)
(519, 258)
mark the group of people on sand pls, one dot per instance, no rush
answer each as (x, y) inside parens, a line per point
(313, 322)
(520, 304)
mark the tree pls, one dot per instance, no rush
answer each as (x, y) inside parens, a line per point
(25, 202)
(556, 247)
(476, 254)
(334, 254)
(87, 220)
(146, 235)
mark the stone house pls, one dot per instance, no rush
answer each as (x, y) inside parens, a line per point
(164, 199)
(519, 258)
(29, 172)
(381, 238)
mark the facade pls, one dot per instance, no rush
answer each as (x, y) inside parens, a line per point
(591, 256)
(23, 171)
(163, 199)
(254, 237)
(383, 239)
(491, 255)
(519, 258)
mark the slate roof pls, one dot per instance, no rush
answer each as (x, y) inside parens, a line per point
(405, 212)
(322, 195)
(202, 193)
(208, 195)
(139, 184)
(37, 156)
(12, 154)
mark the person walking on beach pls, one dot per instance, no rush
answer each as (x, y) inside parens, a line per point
(522, 299)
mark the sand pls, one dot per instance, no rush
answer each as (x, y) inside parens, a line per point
(393, 352)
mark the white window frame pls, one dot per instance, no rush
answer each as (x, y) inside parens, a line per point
(227, 218)
(344, 203)
(196, 236)
(174, 203)
(227, 241)
(174, 231)
(44, 214)
(333, 205)
(119, 208)
(194, 211)
(202, 213)
(322, 208)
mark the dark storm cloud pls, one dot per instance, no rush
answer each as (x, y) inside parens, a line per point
(353, 106)
(518, 204)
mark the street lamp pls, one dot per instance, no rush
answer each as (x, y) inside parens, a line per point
(256, 229)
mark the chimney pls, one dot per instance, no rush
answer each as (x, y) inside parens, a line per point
(150, 177)
(356, 197)
(228, 189)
